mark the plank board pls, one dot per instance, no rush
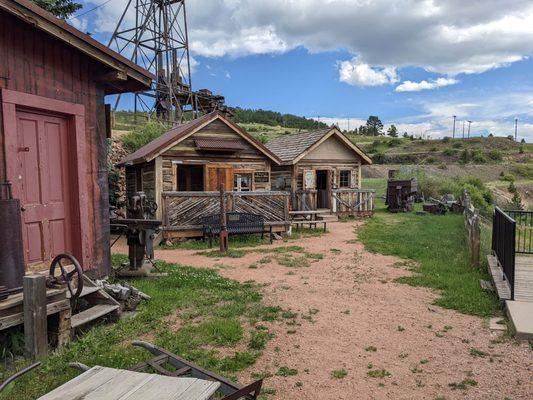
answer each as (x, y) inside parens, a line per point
(115, 384)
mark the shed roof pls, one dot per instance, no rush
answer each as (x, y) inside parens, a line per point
(292, 147)
(179, 133)
(125, 76)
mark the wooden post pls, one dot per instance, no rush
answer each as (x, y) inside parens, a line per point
(223, 238)
(35, 323)
(475, 240)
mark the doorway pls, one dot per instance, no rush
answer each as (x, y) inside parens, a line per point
(44, 184)
(322, 188)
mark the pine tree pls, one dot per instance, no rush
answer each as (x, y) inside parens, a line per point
(393, 131)
(60, 8)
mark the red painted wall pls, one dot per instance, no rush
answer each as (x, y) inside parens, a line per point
(32, 62)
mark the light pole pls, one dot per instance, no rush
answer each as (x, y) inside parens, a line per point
(463, 129)
(516, 129)
(453, 134)
(469, 122)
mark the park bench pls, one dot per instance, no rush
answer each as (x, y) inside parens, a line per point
(237, 223)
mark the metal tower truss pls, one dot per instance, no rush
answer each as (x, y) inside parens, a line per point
(153, 34)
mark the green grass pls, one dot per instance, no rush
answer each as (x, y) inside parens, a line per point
(238, 241)
(213, 311)
(438, 246)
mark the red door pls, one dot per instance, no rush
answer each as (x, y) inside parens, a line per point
(43, 183)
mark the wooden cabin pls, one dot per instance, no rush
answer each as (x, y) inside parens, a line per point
(53, 132)
(322, 170)
(183, 169)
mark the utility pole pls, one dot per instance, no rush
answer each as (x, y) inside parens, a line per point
(463, 129)
(469, 122)
(453, 134)
(516, 129)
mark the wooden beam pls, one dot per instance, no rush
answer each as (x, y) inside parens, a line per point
(35, 321)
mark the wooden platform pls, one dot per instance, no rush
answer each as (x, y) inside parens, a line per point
(523, 290)
(11, 309)
(503, 290)
(100, 383)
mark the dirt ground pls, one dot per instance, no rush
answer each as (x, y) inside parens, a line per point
(353, 318)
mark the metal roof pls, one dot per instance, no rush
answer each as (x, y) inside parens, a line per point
(218, 144)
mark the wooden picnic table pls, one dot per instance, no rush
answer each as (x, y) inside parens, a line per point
(101, 383)
(306, 217)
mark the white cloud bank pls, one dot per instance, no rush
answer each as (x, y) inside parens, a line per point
(409, 86)
(448, 37)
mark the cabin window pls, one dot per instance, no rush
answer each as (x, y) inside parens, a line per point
(344, 178)
(242, 182)
(190, 178)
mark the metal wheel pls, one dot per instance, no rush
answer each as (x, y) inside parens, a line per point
(70, 274)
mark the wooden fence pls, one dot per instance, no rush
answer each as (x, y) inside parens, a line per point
(473, 228)
(184, 210)
(353, 202)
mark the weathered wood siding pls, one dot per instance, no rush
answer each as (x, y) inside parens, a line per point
(248, 160)
(31, 62)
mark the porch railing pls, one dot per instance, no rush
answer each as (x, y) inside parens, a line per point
(524, 230)
(353, 201)
(504, 244)
(184, 210)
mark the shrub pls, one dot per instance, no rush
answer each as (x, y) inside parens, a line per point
(495, 155)
(464, 158)
(395, 142)
(523, 170)
(478, 156)
(433, 149)
(430, 160)
(507, 178)
(378, 158)
(143, 135)
(457, 145)
(446, 139)
(450, 152)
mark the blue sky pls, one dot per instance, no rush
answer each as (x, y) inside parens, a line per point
(415, 63)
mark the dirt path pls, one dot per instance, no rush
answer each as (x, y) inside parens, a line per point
(352, 317)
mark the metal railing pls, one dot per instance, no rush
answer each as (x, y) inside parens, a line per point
(524, 230)
(503, 244)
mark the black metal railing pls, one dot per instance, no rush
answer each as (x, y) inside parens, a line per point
(524, 230)
(503, 244)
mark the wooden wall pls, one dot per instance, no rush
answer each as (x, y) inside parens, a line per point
(34, 63)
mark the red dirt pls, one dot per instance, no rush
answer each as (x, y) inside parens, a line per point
(359, 305)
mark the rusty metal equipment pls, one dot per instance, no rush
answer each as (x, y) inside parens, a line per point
(401, 195)
(11, 246)
(442, 206)
(140, 230)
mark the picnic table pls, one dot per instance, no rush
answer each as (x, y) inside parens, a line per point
(101, 383)
(306, 217)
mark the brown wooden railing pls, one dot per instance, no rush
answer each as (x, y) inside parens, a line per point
(353, 201)
(184, 210)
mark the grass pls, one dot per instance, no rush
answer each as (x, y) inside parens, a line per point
(339, 373)
(438, 247)
(213, 313)
(238, 241)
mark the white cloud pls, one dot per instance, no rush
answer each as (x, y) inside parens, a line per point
(357, 73)
(447, 37)
(410, 86)
(80, 24)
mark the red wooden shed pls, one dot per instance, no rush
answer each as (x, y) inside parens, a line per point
(53, 131)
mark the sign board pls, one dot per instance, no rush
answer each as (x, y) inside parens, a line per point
(309, 179)
(261, 177)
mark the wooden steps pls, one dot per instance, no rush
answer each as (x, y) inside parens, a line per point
(101, 304)
(92, 314)
(327, 216)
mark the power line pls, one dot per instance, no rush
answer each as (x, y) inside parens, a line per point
(89, 11)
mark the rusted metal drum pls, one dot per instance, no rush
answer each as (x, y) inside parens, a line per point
(11, 246)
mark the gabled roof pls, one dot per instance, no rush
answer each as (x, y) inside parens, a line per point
(127, 76)
(174, 136)
(293, 147)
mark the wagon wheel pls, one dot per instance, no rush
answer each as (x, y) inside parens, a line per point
(73, 278)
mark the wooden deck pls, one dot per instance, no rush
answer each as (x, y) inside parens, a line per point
(523, 290)
(523, 279)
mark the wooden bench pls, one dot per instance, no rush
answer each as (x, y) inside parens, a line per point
(313, 224)
(237, 224)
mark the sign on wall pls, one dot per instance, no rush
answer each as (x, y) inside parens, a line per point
(261, 177)
(309, 179)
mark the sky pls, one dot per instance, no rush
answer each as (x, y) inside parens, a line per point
(413, 63)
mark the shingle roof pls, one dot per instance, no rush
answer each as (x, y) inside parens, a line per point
(288, 147)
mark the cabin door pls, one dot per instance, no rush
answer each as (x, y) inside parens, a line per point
(322, 188)
(41, 166)
(217, 174)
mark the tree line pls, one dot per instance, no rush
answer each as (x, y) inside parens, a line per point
(273, 118)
